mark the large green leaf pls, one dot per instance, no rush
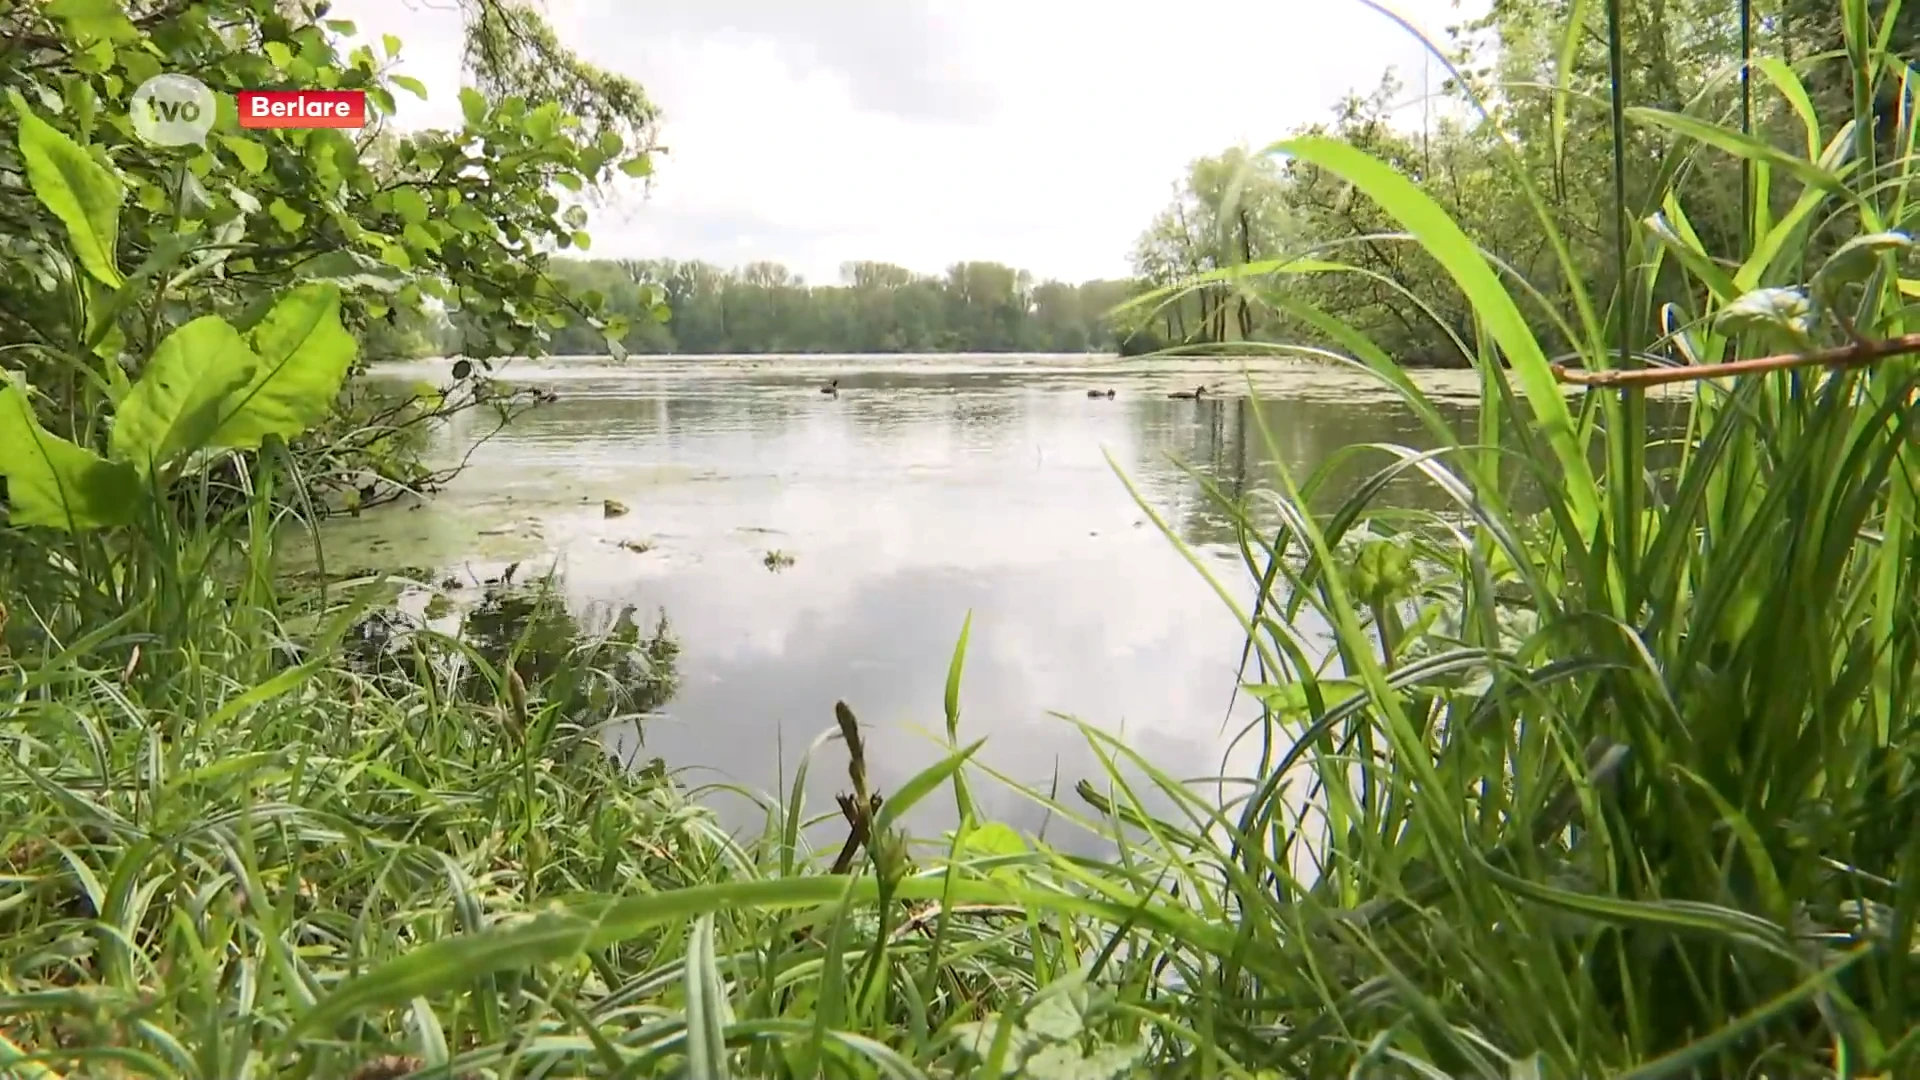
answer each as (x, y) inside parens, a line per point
(81, 192)
(93, 20)
(52, 482)
(351, 270)
(1450, 246)
(1741, 145)
(180, 398)
(304, 354)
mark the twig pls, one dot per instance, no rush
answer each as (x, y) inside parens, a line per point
(920, 921)
(1843, 356)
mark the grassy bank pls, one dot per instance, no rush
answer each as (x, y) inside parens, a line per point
(1623, 788)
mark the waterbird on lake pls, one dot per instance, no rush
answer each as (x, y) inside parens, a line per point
(1190, 395)
(1100, 393)
(832, 387)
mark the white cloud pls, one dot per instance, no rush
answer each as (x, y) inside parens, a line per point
(1040, 133)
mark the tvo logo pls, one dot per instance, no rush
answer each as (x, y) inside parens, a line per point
(173, 110)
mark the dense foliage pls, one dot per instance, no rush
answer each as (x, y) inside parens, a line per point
(1517, 114)
(878, 307)
(464, 220)
(765, 308)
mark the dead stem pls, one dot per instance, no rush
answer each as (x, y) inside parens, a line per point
(1843, 356)
(859, 807)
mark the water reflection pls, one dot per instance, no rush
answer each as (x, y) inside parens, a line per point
(925, 491)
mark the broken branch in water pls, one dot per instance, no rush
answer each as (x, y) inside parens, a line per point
(1842, 356)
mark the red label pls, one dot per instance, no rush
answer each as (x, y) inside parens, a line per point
(302, 108)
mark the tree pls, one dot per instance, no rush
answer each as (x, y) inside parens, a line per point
(1229, 210)
(468, 218)
(1517, 139)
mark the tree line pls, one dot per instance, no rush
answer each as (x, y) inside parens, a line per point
(1254, 250)
(673, 306)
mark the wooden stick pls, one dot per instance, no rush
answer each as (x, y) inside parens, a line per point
(1843, 356)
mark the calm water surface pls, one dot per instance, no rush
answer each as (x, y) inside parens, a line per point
(930, 488)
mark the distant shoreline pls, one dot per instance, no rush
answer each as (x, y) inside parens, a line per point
(1108, 357)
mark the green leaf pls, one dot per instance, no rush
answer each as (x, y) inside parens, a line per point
(641, 166)
(978, 1036)
(351, 269)
(543, 121)
(992, 840)
(1060, 1015)
(473, 105)
(304, 355)
(582, 241)
(278, 52)
(1573, 27)
(707, 1011)
(253, 156)
(465, 218)
(1677, 237)
(289, 218)
(920, 785)
(284, 683)
(78, 190)
(91, 21)
(1382, 571)
(1448, 244)
(1290, 699)
(420, 238)
(552, 936)
(411, 207)
(1791, 88)
(1066, 1062)
(411, 85)
(103, 331)
(178, 402)
(1779, 310)
(391, 44)
(54, 483)
(1857, 259)
(1741, 146)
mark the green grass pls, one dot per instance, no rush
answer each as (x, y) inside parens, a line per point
(1624, 788)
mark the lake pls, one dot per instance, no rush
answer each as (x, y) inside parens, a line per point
(931, 487)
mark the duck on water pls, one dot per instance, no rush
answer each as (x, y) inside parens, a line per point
(1100, 393)
(1194, 394)
(832, 387)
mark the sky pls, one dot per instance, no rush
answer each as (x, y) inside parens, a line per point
(1044, 134)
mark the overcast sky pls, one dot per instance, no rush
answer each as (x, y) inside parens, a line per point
(1040, 133)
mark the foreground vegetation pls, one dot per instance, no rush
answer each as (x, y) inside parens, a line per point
(1625, 788)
